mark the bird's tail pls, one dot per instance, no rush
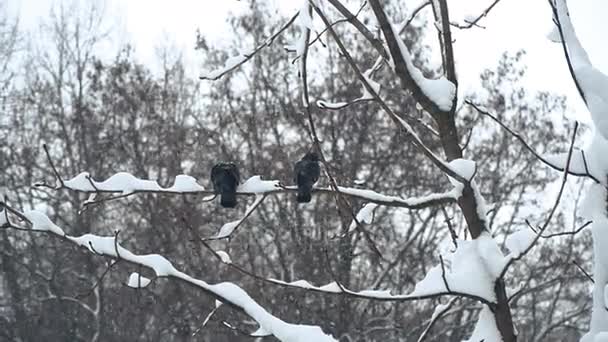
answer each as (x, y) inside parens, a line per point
(228, 195)
(304, 193)
(228, 199)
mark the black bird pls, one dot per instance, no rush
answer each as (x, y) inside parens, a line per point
(225, 178)
(306, 174)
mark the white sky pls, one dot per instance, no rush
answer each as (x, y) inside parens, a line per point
(512, 25)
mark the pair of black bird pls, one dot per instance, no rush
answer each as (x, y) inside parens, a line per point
(226, 177)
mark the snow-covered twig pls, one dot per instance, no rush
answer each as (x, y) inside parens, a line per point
(474, 22)
(518, 254)
(584, 173)
(413, 15)
(236, 61)
(568, 40)
(318, 37)
(376, 43)
(227, 293)
(228, 229)
(440, 310)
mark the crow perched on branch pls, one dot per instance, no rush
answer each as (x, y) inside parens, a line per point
(225, 178)
(306, 174)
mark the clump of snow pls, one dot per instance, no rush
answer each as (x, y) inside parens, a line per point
(227, 229)
(136, 281)
(256, 185)
(224, 257)
(185, 183)
(41, 222)
(554, 36)
(472, 269)
(365, 215)
(230, 64)
(518, 241)
(485, 328)
(331, 287)
(464, 167)
(331, 105)
(490, 254)
(440, 91)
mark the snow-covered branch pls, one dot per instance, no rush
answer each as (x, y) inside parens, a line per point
(123, 184)
(579, 165)
(435, 96)
(226, 292)
(521, 242)
(236, 61)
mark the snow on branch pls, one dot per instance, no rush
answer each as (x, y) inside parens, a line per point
(485, 328)
(432, 286)
(400, 122)
(229, 228)
(226, 292)
(125, 184)
(236, 61)
(365, 97)
(579, 165)
(591, 83)
(435, 95)
(520, 243)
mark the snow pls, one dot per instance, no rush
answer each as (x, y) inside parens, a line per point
(464, 167)
(185, 183)
(411, 201)
(228, 228)
(594, 209)
(136, 281)
(439, 309)
(577, 161)
(365, 215)
(485, 328)
(230, 64)
(601, 337)
(3, 220)
(224, 257)
(107, 245)
(594, 85)
(120, 182)
(332, 105)
(518, 241)
(440, 91)
(261, 332)
(41, 222)
(472, 269)
(366, 95)
(592, 81)
(256, 185)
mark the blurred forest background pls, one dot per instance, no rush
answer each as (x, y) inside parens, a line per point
(105, 115)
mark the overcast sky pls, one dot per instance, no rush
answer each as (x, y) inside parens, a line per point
(512, 25)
